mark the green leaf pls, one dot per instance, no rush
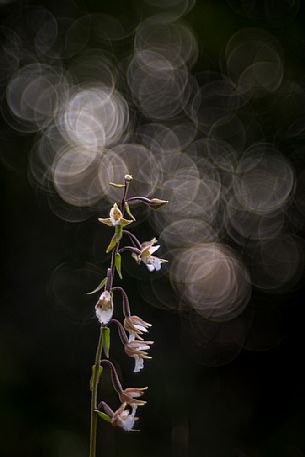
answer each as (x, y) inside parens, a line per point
(99, 287)
(119, 186)
(100, 371)
(106, 340)
(118, 232)
(112, 244)
(129, 212)
(103, 416)
(118, 262)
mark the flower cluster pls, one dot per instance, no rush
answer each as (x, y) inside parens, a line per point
(133, 328)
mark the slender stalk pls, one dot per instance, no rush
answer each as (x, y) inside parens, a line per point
(93, 427)
(110, 276)
(112, 267)
(124, 196)
(114, 376)
(139, 199)
(131, 249)
(133, 238)
(126, 308)
(121, 331)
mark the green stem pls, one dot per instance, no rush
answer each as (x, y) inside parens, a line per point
(93, 425)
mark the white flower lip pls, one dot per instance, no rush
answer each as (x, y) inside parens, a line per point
(127, 422)
(124, 418)
(139, 364)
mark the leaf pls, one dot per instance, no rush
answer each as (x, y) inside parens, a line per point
(103, 416)
(118, 232)
(129, 212)
(112, 243)
(100, 370)
(119, 186)
(99, 287)
(106, 340)
(118, 262)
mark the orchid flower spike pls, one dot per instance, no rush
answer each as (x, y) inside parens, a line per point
(137, 350)
(115, 217)
(131, 394)
(123, 418)
(147, 249)
(104, 307)
(135, 326)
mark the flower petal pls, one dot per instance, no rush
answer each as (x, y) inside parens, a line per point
(106, 221)
(125, 221)
(154, 249)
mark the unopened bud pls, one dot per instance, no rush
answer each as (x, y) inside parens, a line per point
(128, 178)
(157, 203)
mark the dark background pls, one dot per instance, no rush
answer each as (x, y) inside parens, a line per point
(250, 407)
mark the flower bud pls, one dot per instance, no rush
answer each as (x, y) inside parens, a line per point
(157, 203)
(128, 178)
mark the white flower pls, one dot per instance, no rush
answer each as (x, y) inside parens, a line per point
(124, 418)
(115, 217)
(147, 249)
(135, 326)
(104, 307)
(137, 350)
